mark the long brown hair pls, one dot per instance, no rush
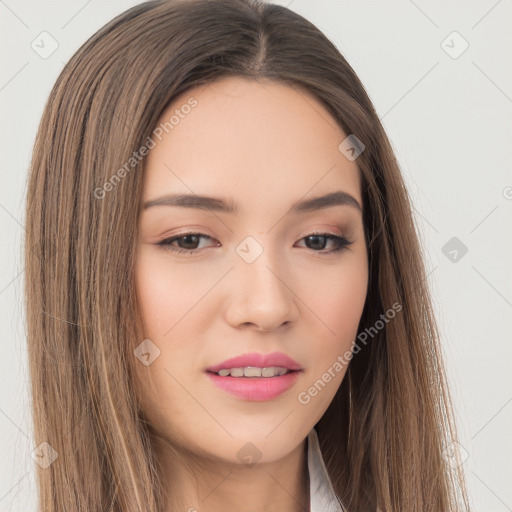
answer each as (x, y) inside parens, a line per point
(384, 433)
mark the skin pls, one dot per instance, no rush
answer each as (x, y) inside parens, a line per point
(264, 145)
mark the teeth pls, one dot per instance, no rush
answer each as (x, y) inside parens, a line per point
(253, 371)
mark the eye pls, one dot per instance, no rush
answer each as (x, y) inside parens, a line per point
(321, 239)
(188, 242)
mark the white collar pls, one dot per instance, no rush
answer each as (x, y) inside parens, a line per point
(321, 492)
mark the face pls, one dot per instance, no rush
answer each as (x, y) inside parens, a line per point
(282, 283)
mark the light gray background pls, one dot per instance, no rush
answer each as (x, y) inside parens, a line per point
(449, 120)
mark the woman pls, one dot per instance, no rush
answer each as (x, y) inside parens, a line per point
(226, 299)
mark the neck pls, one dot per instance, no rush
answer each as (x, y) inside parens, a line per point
(206, 485)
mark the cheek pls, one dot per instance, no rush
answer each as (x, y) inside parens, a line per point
(337, 297)
(337, 301)
(169, 300)
(162, 297)
(342, 305)
(165, 294)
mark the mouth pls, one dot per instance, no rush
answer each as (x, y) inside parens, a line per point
(256, 377)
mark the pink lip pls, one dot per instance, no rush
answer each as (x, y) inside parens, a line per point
(256, 388)
(259, 360)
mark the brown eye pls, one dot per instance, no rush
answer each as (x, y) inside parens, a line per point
(318, 241)
(187, 242)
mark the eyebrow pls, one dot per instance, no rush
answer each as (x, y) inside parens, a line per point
(338, 198)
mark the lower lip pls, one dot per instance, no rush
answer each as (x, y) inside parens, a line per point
(255, 388)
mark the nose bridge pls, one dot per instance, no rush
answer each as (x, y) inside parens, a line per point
(262, 296)
(258, 264)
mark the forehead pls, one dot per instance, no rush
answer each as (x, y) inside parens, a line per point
(248, 139)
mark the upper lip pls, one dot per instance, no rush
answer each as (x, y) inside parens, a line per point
(258, 360)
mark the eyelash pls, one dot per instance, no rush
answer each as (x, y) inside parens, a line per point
(341, 242)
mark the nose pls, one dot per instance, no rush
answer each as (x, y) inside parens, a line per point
(261, 296)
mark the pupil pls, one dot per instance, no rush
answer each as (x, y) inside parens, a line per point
(315, 239)
(187, 238)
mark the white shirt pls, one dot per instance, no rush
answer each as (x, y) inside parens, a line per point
(321, 492)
